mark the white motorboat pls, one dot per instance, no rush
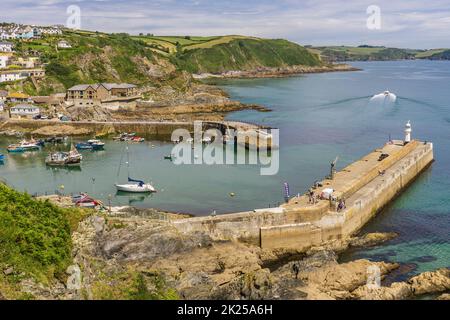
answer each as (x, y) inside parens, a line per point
(385, 96)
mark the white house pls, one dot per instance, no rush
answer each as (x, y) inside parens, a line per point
(63, 44)
(6, 76)
(6, 46)
(3, 61)
(24, 111)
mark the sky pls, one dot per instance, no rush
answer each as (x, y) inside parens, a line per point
(403, 23)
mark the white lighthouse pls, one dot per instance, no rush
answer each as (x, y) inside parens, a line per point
(408, 132)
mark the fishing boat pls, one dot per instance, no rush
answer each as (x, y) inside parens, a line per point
(133, 185)
(83, 146)
(96, 144)
(124, 136)
(15, 148)
(71, 158)
(2, 157)
(29, 145)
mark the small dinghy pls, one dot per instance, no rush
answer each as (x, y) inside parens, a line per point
(2, 157)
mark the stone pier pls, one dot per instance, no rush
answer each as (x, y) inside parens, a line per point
(366, 185)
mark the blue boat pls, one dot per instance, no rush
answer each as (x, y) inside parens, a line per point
(83, 146)
(2, 157)
(96, 144)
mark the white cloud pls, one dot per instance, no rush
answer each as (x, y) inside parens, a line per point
(406, 23)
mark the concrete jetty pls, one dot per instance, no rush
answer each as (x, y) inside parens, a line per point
(366, 185)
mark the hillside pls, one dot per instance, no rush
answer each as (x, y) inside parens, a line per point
(363, 53)
(374, 53)
(443, 55)
(243, 54)
(150, 60)
(95, 57)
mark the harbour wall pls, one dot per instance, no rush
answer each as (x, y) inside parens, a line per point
(300, 227)
(162, 129)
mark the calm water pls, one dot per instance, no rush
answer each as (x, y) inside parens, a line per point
(320, 116)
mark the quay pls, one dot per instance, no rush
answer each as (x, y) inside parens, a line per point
(248, 134)
(366, 185)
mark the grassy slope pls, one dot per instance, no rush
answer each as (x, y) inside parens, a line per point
(347, 53)
(35, 239)
(244, 54)
(92, 58)
(100, 57)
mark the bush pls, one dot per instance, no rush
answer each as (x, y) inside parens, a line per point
(35, 236)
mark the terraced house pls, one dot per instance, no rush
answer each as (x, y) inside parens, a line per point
(108, 95)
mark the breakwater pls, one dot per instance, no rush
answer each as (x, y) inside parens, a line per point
(366, 185)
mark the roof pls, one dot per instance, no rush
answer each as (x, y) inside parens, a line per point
(6, 43)
(3, 93)
(108, 86)
(18, 95)
(82, 87)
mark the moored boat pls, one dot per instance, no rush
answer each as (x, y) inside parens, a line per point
(29, 145)
(71, 158)
(2, 157)
(15, 148)
(83, 146)
(96, 144)
(135, 186)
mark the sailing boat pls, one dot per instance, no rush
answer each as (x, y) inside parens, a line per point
(133, 185)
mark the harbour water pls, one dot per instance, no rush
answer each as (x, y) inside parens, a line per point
(320, 116)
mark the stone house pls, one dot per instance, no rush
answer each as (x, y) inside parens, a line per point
(108, 95)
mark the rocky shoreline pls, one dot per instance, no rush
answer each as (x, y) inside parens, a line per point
(110, 249)
(277, 72)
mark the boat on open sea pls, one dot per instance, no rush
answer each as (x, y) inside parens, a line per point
(71, 158)
(15, 148)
